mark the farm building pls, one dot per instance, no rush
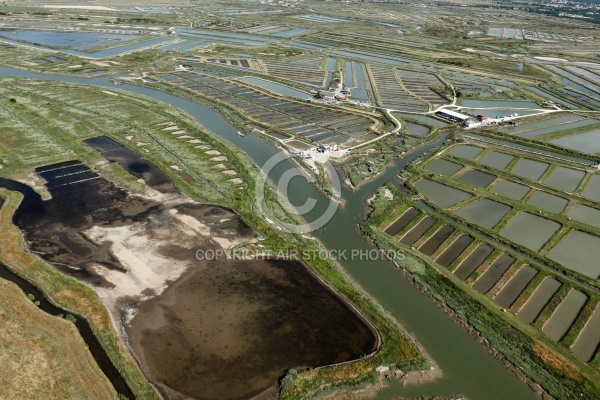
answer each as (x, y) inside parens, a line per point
(452, 116)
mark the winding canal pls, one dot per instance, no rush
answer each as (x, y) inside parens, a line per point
(467, 367)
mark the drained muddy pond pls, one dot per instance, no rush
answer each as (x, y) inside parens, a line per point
(564, 315)
(515, 286)
(454, 250)
(243, 324)
(434, 242)
(139, 254)
(401, 222)
(473, 261)
(586, 344)
(417, 231)
(493, 273)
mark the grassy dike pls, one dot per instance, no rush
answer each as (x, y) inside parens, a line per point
(68, 294)
(529, 353)
(396, 347)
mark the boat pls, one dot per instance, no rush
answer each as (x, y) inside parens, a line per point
(240, 133)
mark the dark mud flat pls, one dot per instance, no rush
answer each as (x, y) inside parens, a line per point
(82, 199)
(228, 330)
(53, 228)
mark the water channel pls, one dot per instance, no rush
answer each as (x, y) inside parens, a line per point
(467, 367)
